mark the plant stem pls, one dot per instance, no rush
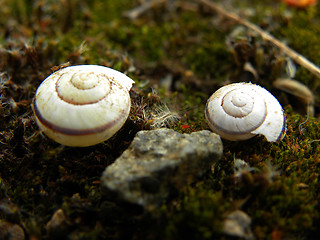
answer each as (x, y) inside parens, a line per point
(298, 58)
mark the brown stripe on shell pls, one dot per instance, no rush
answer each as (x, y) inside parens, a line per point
(73, 132)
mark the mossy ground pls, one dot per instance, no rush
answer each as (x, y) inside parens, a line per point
(187, 45)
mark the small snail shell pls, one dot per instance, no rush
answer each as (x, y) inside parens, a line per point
(299, 90)
(82, 105)
(240, 111)
(295, 88)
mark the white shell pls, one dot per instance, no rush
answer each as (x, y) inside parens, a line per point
(82, 105)
(240, 111)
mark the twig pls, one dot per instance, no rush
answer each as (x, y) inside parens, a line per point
(137, 11)
(298, 58)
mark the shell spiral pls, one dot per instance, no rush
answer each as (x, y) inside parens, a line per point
(240, 111)
(82, 105)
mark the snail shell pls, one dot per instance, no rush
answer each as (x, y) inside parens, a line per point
(240, 111)
(82, 105)
(299, 90)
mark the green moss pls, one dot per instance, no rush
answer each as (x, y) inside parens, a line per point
(198, 216)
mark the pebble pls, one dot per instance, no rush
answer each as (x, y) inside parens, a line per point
(11, 231)
(158, 162)
(237, 224)
(57, 224)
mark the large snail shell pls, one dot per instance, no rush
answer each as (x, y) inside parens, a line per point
(82, 105)
(240, 111)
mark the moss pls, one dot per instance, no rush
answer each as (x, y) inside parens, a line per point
(199, 215)
(303, 39)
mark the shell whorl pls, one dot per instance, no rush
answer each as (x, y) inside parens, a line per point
(82, 87)
(242, 110)
(82, 100)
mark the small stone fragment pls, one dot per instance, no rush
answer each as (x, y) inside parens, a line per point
(9, 210)
(237, 224)
(11, 231)
(159, 161)
(58, 223)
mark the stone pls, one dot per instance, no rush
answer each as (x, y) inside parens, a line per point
(158, 162)
(237, 224)
(58, 223)
(11, 231)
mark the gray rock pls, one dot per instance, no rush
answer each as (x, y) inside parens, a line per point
(159, 161)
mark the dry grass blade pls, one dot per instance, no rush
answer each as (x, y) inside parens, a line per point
(137, 11)
(298, 58)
